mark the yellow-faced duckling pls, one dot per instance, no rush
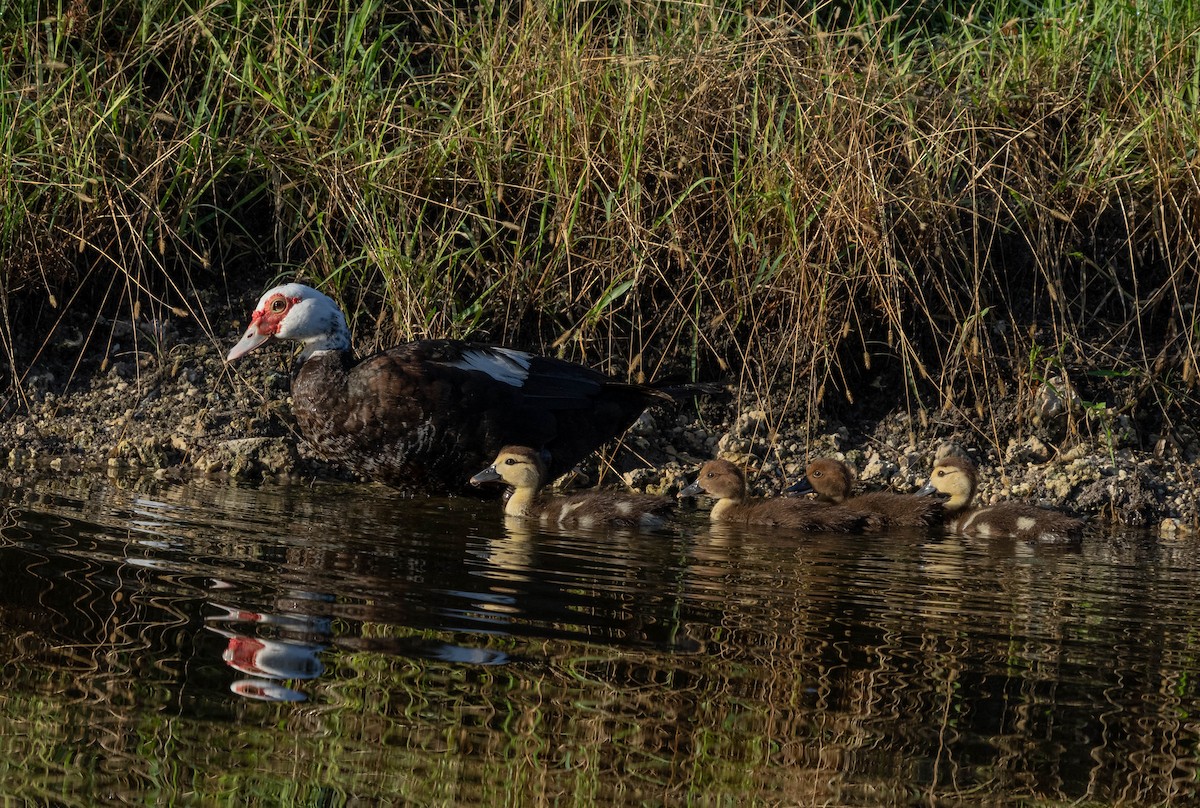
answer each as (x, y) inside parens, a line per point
(832, 482)
(957, 478)
(726, 483)
(524, 470)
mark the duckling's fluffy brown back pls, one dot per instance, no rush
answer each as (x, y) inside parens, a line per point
(898, 510)
(599, 508)
(832, 481)
(798, 514)
(1017, 520)
(727, 483)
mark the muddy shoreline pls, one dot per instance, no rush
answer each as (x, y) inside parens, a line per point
(157, 398)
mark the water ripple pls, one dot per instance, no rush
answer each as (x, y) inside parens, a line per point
(320, 627)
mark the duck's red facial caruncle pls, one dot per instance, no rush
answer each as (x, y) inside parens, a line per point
(264, 324)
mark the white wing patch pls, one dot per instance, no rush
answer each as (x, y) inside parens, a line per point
(502, 364)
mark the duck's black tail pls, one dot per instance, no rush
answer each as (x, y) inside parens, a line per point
(669, 394)
(681, 392)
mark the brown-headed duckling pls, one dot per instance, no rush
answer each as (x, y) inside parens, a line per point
(726, 483)
(524, 470)
(832, 482)
(957, 478)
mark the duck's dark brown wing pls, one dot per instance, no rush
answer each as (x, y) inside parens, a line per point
(426, 415)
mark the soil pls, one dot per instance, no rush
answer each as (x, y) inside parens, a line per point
(157, 398)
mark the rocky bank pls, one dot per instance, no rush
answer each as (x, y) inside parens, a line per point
(156, 397)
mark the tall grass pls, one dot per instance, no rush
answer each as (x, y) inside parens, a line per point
(902, 199)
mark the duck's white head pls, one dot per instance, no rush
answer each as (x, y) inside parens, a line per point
(297, 312)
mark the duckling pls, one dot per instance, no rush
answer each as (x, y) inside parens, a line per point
(726, 483)
(957, 477)
(524, 470)
(831, 480)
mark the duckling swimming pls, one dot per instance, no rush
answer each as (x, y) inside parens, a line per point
(832, 482)
(726, 483)
(525, 471)
(956, 477)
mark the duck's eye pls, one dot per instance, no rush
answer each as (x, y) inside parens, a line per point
(510, 461)
(278, 305)
(817, 474)
(939, 473)
(711, 474)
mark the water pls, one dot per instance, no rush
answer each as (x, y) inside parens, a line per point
(205, 643)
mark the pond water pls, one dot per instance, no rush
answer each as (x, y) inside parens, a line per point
(332, 645)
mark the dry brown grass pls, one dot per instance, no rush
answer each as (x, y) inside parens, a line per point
(832, 211)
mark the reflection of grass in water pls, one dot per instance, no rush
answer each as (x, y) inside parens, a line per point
(766, 716)
(810, 199)
(444, 744)
(821, 673)
(584, 729)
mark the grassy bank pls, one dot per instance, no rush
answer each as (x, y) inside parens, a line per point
(941, 205)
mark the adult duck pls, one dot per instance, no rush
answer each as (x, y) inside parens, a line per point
(957, 478)
(525, 472)
(830, 479)
(726, 483)
(423, 416)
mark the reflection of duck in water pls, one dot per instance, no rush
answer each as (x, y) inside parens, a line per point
(275, 658)
(525, 472)
(265, 690)
(304, 626)
(509, 557)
